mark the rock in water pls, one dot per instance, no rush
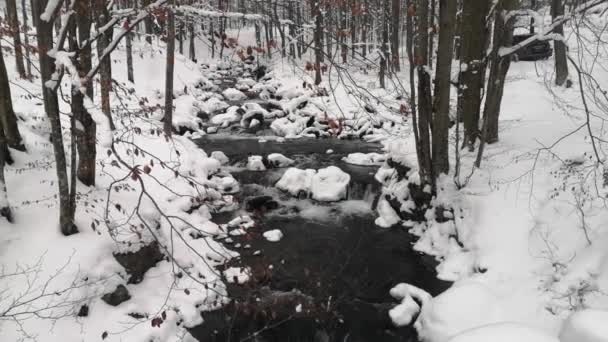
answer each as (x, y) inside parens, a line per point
(330, 184)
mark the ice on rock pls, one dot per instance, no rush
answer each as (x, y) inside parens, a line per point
(279, 160)
(274, 235)
(330, 184)
(255, 163)
(233, 94)
(296, 180)
(220, 156)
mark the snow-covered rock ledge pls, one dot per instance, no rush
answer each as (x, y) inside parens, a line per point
(326, 185)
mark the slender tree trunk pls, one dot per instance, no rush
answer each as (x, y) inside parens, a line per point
(384, 49)
(503, 36)
(343, 36)
(180, 37)
(168, 120)
(84, 22)
(191, 45)
(129, 52)
(561, 61)
(318, 32)
(13, 22)
(424, 91)
(441, 119)
(471, 76)
(5, 208)
(395, 24)
(147, 23)
(51, 106)
(105, 70)
(364, 29)
(8, 119)
(26, 40)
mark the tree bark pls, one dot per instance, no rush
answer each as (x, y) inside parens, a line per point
(168, 120)
(471, 76)
(5, 209)
(561, 61)
(8, 119)
(384, 47)
(318, 32)
(105, 70)
(424, 91)
(395, 24)
(441, 120)
(84, 22)
(191, 45)
(13, 23)
(44, 34)
(503, 36)
(28, 61)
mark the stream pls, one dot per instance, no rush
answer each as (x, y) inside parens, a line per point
(328, 278)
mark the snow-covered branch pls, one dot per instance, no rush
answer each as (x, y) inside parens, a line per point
(218, 14)
(548, 32)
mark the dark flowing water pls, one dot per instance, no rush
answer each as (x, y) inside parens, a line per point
(329, 278)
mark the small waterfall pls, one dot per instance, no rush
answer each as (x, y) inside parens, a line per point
(361, 190)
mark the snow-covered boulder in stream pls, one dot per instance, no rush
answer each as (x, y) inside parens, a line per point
(279, 160)
(220, 156)
(255, 163)
(232, 94)
(365, 158)
(185, 114)
(289, 127)
(296, 180)
(225, 119)
(330, 184)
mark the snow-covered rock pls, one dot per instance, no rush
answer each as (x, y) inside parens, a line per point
(330, 184)
(211, 130)
(365, 158)
(254, 123)
(505, 332)
(214, 105)
(289, 127)
(220, 156)
(387, 215)
(585, 326)
(255, 163)
(225, 119)
(295, 181)
(466, 305)
(232, 94)
(404, 313)
(186, 110)
(274, 235)
(279, 160)
(237, 275)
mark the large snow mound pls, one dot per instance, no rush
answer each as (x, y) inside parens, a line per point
(504, 332)
(586, 326)
(464, 306)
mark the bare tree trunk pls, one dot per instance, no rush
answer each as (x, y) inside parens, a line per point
(395, 24)
(471, 76)
(105, 70)
(51, 106)
(26, 40)
(13, 22)
(191, 45)
(424, 91)
(503, 36)
(8, 119)
(384, 49)
(147, 22)
(343, 35)
(84, 22)
(364, 29)
(561, 62)
(318, 32)
(168, 119)
(129, 52)
(180, 37)
(5, 208)
(441, 120)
